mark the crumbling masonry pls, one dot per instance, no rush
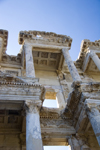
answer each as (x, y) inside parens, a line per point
(43, 69)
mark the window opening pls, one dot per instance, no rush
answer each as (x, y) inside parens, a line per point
(51, 103)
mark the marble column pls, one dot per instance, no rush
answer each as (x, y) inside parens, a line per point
(78, 143)
(30, 70)
(95, 58)
(33, 130)
(73, 142)
(60, 100)
(93, 111)
(71, 66)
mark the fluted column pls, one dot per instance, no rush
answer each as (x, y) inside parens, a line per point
(71, 66)
(93, 111)
(95, 58)
(30, 70)
(33, 130)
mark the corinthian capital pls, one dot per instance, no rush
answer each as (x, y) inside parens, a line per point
(33, 106)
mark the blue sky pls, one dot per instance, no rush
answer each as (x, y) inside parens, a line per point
(79, 19)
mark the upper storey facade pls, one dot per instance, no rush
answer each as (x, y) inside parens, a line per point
(45, 55)
(44, 59)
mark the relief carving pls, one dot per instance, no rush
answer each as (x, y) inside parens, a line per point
(43, 62)
(15, 73)
(44, 55)
(45, 37)
(55, 123)
(11, 59)
(32, 106)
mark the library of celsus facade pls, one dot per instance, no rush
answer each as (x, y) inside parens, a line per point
(42, 70)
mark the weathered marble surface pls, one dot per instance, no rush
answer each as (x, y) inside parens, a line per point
(71, 66)
(33, 130)
(93, 108)
(30, 70)
(72, 123)
(95, 58)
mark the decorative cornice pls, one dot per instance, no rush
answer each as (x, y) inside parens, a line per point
(11, 58)
(4, 36)
(85, 44)
(7, 79)
(42, 36)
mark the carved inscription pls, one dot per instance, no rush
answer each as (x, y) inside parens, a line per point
(12, 72)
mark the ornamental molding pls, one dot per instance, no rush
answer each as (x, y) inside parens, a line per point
(85, 46)
(44, 37)
(4, 36)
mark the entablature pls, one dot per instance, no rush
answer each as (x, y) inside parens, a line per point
(85, 60)
(48, 38)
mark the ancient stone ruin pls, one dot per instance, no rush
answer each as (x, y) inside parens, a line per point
(42, 70)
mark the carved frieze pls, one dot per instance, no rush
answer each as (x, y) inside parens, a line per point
(11, 59)
(45, 37)
(60, 123)
(15, 73)
(11, 85)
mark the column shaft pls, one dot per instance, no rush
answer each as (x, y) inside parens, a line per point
(74, 145)
(94, 118)
(71, 66)
(30, 70)
(95, 58)
(33, 130)
(78, 143)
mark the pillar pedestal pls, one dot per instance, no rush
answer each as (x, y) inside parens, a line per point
(71, 66)
(30, 70)
(33, 130)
